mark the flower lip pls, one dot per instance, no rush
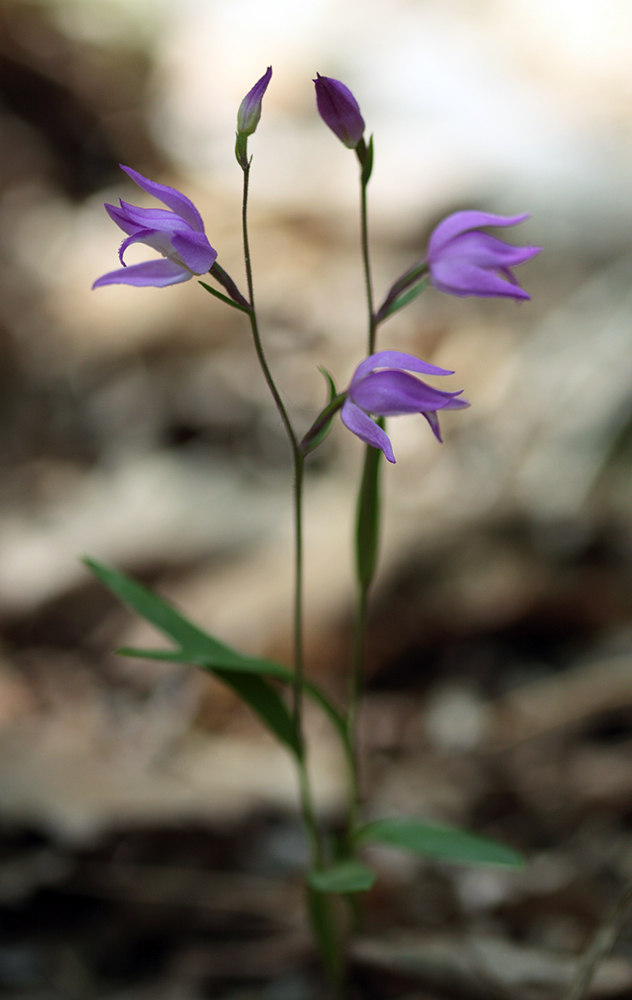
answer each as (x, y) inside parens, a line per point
(177, 234)
(462, 260)
(339, 110)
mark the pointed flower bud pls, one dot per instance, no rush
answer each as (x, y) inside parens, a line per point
(339, 109)
(250, 108)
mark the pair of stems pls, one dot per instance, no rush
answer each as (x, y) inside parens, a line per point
(367, 528)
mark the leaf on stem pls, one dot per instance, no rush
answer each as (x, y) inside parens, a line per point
(199, 648)
(250, 665)
(368, 516)
(346, 876)
(441, 842)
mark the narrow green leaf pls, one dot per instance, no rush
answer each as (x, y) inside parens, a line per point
(368, 516)
(203, 650)
(442, 842)
(245, 664)
(266, 702)
(224, 298)
(252, 665)
(192, 640)
(346, 876)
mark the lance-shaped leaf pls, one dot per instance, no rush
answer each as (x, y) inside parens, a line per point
(346, 876)
(442, 842)
(252, 665)
(242, 673)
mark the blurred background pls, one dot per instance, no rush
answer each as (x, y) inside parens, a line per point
(149, 840)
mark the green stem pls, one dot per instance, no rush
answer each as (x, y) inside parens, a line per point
(367, 533)
(309, 815)
(366, 262)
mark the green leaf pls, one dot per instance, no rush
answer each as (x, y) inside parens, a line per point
(244, 664)
(346, 876)
(368, 516)
(266, 702)
(250, 665)
(192, 640)
(443, 842)
(199, 648)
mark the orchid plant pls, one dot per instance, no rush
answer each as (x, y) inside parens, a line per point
(462, 259)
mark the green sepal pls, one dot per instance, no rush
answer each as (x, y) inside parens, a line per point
(368, 515)
(441, 842)
(198, 647)
(346, 876)
(224, 298)
(241, 150)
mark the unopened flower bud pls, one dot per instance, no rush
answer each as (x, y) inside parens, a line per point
(250, 108)
(339, 109)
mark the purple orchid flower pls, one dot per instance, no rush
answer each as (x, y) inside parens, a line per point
(249, 112)
(464, 261)
(339, 109)
(391, 391)
(178, 235)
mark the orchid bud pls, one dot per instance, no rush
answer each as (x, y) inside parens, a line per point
(339, 109)
(250, 108)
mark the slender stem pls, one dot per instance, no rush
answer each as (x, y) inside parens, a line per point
(309, 815)
(299, 463)
(255, 326)
(366, 260)
(357, 679)
(366, 542)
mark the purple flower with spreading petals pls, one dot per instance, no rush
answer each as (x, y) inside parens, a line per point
(249, 112)
(339, 109)
(178, 235)
(383, 386)
(464, 261)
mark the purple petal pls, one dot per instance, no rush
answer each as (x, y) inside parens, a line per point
(397, 359)
(487, 251)
(155, 218)
(433, 420)
(170, 197)
(152, 272)
(195, 250)
(457, 403)
(153, 238)
(461, 222)
(366, 429)
(339, 110)
(389, 393)
(459, 277)
(122, 219)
